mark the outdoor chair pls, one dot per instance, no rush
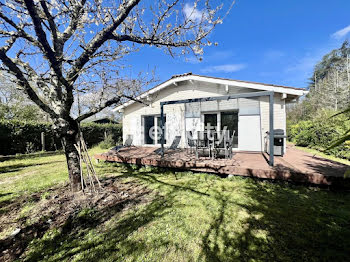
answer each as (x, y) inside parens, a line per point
(202, 143)
(219, 143)
(116, 148)
(175, 143)
(230, 144)
(190, 141)
(128, 141)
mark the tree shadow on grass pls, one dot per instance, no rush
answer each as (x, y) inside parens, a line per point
(284, 223)
(262, 221)
(73, 237)
(31, 155)
(18, 167)
(152, 179)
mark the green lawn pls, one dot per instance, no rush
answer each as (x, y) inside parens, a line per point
(185, 217)
(26, 175)
(321, 154)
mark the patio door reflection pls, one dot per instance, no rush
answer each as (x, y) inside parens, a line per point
(149, 127)
(229, 119)
(152, 130)
(210, 120)
(159, 137)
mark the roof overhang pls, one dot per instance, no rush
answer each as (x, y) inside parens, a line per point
(297, 92)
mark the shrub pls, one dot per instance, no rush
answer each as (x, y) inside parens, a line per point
(95, 133)
(23, 137)
(321, 132)
(108, 142)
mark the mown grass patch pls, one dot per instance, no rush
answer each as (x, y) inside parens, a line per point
(198, 217)
(26, 175)
(321, 154)
(201, 217)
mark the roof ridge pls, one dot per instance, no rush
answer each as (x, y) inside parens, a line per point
(230, 79)
(173, 79)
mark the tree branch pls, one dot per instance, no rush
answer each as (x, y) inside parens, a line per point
(108, 103)
(99, 39)
(20, 30)
(49, 53)
(40, 33)
(51, 21)
(152, 40)
(69, 31)
(23, 81)
(10, 42)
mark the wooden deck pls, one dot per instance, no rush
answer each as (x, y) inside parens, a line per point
(295, 166)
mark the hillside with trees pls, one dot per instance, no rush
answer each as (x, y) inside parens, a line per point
(322, 118)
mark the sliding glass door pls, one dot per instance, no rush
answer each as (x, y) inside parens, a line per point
(152, 130)
(148, 130)
(211, 120)
(159, 130)
(229, 119)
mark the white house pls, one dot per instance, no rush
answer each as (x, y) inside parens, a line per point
(247, 117)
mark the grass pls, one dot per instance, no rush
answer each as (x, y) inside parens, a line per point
(25, 175)
(321, 154)
(191, 217)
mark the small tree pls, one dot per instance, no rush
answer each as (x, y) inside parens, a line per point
(55, 49)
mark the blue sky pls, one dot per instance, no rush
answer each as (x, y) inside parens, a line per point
(271, 41)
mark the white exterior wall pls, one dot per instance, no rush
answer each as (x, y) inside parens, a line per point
(279, 116)
(175, 114)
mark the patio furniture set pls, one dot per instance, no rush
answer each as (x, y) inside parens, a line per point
(213, 143)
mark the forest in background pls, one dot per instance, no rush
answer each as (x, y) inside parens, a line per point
(321, 118)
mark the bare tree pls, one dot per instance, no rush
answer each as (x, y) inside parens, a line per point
(53, 48)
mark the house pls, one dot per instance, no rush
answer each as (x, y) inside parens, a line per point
(104, 120)
(243, 113)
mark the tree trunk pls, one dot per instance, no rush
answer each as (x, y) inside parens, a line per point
(69, 136)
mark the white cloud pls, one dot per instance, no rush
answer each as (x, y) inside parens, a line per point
(192, 60)
(219, 55)
(341, 33)
(192, 13)
(228, 68)
(304, 64)
(300, 69)
(273, 55)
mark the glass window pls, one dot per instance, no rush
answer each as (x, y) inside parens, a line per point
(159, 137)
(152, 135)
(211, 119)
(148, 124)
(229, 120)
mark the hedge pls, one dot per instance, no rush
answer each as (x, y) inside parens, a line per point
(25, 137)
(320, 133)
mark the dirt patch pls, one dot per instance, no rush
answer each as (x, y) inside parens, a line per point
(14, 178)
(60, 206)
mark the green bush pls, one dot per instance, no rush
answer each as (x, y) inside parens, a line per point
(321, 132)
(23, 137)
(108, 142)
(95, 133)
